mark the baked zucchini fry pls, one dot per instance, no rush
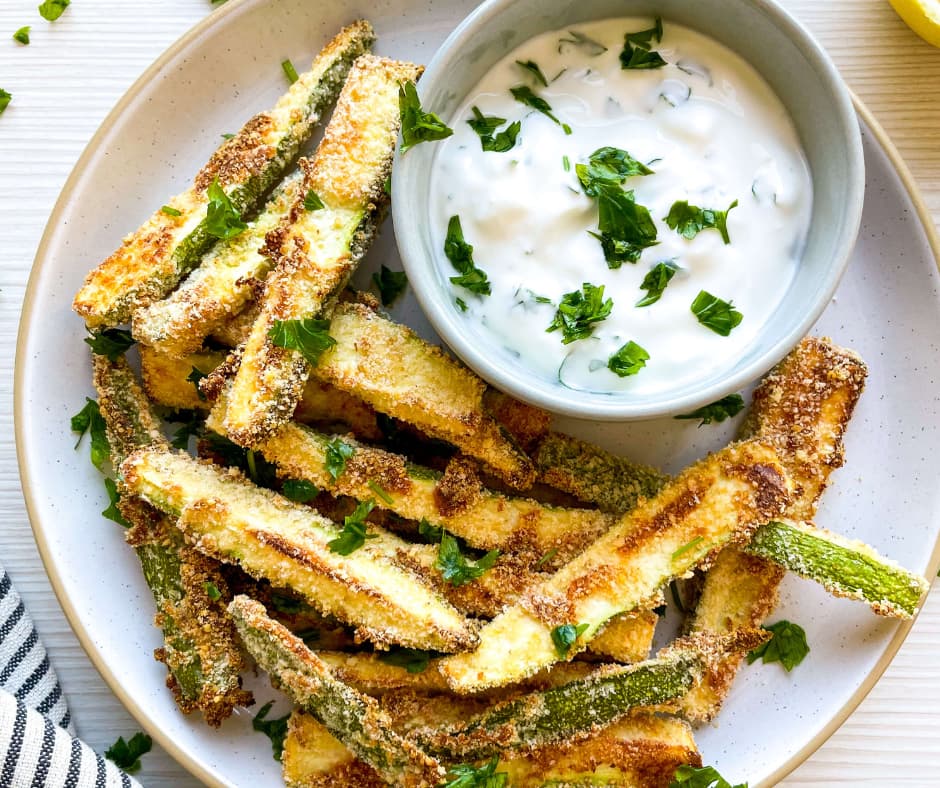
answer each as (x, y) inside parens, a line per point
(227, 279)
(225, 516)
(152, 260)
(390, 367)
(315, 251)
(628, 637)
(718, 500)
(200, 649)
(844, 567)
(314, 758)
(593, 475)
(355, 719)
(571, 711)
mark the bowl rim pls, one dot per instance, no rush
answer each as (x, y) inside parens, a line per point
(571, 402)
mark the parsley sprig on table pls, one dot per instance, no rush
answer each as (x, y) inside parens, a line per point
(126, 754)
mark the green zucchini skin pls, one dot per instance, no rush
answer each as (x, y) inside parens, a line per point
(843, 567)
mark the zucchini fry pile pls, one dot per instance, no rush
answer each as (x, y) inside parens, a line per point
(449, 593)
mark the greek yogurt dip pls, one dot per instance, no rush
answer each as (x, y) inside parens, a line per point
(630, 155)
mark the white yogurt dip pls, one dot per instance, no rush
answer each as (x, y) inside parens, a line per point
(712, 132)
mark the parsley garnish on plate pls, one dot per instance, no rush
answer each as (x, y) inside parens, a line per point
(110, 342)
(637, 53)
(460, 254)
(466, 775)
(411, 659)
(524, 95)
(299, 490)
(89, 420)
(701, 777)
(222, 220)
(581, 42)
(787, 646)
(312, 201)
(629, 360)
(714, 313)
(274, 729)
(112, 512)
(126, 754)
(354, 535)
(690, 220)
(718, 411)
(456, 568)
(417, 125)
(289, 71)
(22, 35)
(579, 310)
(337, 452)
(5, 99)
(310, 337)
(564, 638)
(51, 10)
(656, 280)
(533, 68)
(390, 284)
(485, 125)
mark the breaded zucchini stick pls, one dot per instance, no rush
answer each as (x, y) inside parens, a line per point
(718, 500)
(316, 250)
(200, 648)
(152, 260)
(227, 279)
(225, 516)
(355, 719)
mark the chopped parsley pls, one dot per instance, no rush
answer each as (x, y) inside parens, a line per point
(5, 99)
(391, 284)
(195, 375)
(50, 10)
(524, 95)
(716, 314)
(89, 420)
(126, 754)
(466, 775)
(222, 220)
(606, 166)
(212, 591)
(717, 411)
(310, 337)
(656, 280)
(289, 71)
(626, 227)
(112, 512)
(566, 163)
(485, 125)
(700, 777)
(690, 220)
(299, 490)
(579, 310)
(417, 126)
(169, 210)
(564, 638)
(629, 360)
(579, 41)
(274, 729)
(380, 492)
(337, 452)
(22, 35)
(353, 536)
(312, 201)
(690, 545)
(190, 425)
(287, 605)
(411, 659)
(461, 304)
(548, 556)
(533, 68)
(637, 52)
(110, 342)
(460, 254)
(456, 568)
(430, 532)
(787, 646)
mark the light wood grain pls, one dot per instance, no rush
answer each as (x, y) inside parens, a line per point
(63, 85)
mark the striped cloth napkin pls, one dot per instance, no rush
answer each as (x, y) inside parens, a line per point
(37, 744)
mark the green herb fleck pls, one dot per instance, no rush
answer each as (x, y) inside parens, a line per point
(89, 420)
(227, 136)
(126, 754)
(169, 210)
(566, 163)
(274, 729)
(222, 220)
(51, 10)
(466, 775)
(310, 337)
(700, 777)
(299, 490)
(380, 492)
(195, 375)
(656, 280)
(112, 512)
(629, 360)
(579, 311)
(485, 125)
(289, 71)
(22, 35)
(716, 314)
(533, 68)
(431, 533)
(391, 284)
(337, 452)
(191, 424)
(692, 544)
(460, 254)
(579, 41)
(690, 220)
(718, 411)
(546, 558)
(110, 342)
(787, 646)
(524, 95)
(411, 659)
(417, 125)
(312, 201)
(212, 591)
(287, 605)
(564, 638)
(637, 53)
(456, 568)
(461, 304)
(353, 536)
(5, 99)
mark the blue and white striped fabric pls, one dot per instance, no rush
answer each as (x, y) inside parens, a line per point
(37, 749)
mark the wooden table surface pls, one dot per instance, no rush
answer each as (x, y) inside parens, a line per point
(74, 71)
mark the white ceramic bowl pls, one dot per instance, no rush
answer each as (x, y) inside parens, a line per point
(802, 76)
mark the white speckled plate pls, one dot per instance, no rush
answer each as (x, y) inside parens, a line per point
(887, 308)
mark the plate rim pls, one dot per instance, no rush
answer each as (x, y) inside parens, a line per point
(192, 764)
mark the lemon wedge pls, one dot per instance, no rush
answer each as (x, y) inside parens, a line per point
(921, 16)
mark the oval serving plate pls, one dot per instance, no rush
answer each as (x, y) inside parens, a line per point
(164, 129)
